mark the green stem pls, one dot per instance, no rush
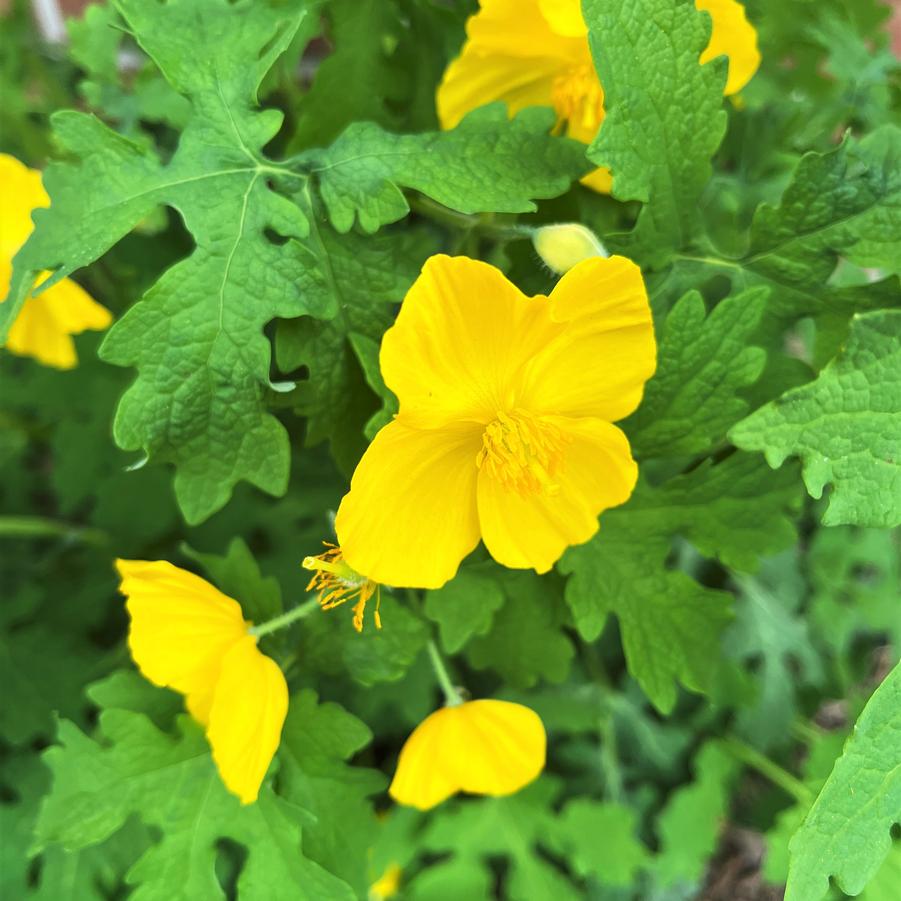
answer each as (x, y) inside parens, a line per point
(776, 774)
(291, 616)
(443, 215)
(40, 527)
(451, 695)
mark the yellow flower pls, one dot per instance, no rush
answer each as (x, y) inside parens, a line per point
(536, 53)
(45, 324)
(504, 430)
(481, 747)
(337, 584)
(187, 635)
(387, 885)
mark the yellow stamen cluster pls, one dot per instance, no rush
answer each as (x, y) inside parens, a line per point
(337, 583)
(523, 453)
(577, 97)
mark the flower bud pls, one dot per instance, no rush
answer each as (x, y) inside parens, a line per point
(562, 246)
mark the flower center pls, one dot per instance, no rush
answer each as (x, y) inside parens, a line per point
(578, 97)
(523, 453)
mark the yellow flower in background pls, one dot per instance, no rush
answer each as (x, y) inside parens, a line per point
(482, 747)
(504, 430)
(536, 53)
(188, 636)
(387, 885)
(45, 324)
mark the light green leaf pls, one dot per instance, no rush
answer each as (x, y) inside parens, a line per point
(196, 338)
(847, 833)
(845, 426)
(466, 605)
(486, 164)
(704, 362)
(664, 114)
(172, 784)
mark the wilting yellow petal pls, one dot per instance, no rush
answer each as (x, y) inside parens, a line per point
(246, 717)
(733, 36)
(45, 324)
(483, 747)
(598, 365)
(410, 516)
(530, 530)
(181, 628)
(460, 342)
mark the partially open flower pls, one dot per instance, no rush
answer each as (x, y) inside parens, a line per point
(482, 747)
(45, 324)
(186, 635)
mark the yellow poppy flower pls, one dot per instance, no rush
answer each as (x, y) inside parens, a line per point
(482, 747)
(536, 53)
(188, 636)
(504, 431)
(45, 324)
(387, 885)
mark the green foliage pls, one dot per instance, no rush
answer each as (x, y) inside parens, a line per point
(250, 188)
(361, 175)
(845, 426)
(846, 834)
(664, 118)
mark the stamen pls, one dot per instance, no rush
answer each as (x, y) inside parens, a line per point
(578, 97)
(523, 453)
(337, 584)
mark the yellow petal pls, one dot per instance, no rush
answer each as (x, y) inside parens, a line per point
(733, 36)
(511, 54)
(246, 718)
(598, 364)
(601, 180)
(410, 515)
(22, 192)
(565, 17)
(531, 531)
(461, 340)
(45, 324)
(181, 628)
(483, 747)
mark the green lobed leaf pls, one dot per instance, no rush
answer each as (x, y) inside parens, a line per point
(525, 642)
(689, 826)
(845, 426)
(466, 605)
(704, 361)
(847, 833)
(670, 624)
(196, 338)
(486, 164)
(98, 786)
(664, 117)
(316, 741)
